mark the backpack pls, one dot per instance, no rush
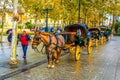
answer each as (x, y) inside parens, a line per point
(9, 38)
(28, 37)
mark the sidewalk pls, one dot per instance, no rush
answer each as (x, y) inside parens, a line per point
(32, 60)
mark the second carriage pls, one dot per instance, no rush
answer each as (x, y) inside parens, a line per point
(105, 33)
(96, 35)
(77, 36)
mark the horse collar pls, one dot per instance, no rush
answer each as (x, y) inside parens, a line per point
(50, 37)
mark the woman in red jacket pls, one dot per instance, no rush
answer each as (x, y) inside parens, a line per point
(24, 38)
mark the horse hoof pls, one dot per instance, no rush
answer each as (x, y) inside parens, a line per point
(57, 61)
(52, 66)
(48, 66)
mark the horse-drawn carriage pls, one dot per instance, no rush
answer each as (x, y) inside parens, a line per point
(74, 37)
(77, 36)
(95, 35)
(109, 32)
(104, 34)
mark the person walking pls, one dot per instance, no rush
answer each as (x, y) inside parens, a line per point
(24, 39)
(9, 38)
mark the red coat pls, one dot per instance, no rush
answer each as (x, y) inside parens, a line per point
(24, 40)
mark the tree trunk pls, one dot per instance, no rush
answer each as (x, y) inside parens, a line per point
(2, 27)
(99, 19)
(3, 19)
(113, 22)
(36, 21)
(13, 57)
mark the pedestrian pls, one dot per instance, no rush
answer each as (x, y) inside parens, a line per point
(9, 38)
(59, 30)
(24, 38)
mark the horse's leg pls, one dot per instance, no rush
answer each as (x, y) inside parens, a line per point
(58, 55)
(48, 57)
(53, 57)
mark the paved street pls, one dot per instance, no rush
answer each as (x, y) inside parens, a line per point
(102, 64)
(32, 57)
(52, 24)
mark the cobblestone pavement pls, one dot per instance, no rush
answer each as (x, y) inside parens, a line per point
(102, 64)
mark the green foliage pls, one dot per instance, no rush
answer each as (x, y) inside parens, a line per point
(29, 25)
(4, 33)
(105, 26)
(0, 25)
(20, 26)
(117, 26)
(91, 11)
(116, 34)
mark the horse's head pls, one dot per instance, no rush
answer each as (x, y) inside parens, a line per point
(40, 37)
(36, 40)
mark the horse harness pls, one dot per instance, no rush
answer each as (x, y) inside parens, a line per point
(56, 45)
(51, 43)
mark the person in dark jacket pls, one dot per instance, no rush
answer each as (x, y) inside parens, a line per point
(9, 38)
(24, 38)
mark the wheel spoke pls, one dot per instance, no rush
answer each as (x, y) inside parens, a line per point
(77, 53)
(89, 48)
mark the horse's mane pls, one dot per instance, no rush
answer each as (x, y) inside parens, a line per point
(45, 33)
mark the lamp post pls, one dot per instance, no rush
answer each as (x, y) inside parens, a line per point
(46, 10)
(78, 11)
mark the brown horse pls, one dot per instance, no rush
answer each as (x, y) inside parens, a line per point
(53, 44)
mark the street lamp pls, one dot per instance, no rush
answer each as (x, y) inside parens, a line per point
(78, 11)
(46, 10)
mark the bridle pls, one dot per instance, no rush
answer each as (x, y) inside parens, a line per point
(36, 43)
(39, 39)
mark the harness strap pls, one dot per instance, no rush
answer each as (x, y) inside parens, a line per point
(50, 37)
(56, 45)
(56, 36)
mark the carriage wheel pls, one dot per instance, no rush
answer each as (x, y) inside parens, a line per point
(104, 39)
(72, 50)
(77, 53)
(96, 42)
(89, 47)
(101, 40)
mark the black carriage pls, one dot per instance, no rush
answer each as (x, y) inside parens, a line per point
(75, 41)
(104, 34)
(109, 32)
(95, 34)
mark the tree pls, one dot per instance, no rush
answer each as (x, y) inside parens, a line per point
(92, 11)
(3, 19)
(117, 26)
(34, 8)
(5, 6)
(13, 57)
